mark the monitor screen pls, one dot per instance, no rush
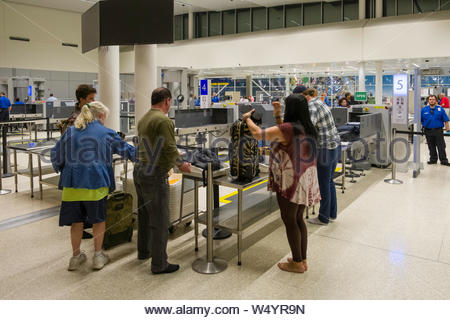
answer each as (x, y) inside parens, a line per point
(118, 22)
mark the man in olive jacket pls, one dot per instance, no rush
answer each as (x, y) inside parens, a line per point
(158, 154)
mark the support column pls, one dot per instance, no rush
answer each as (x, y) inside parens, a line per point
(191, 25)
(417, 122)
(288, 85)
(145, 77)
(362, 9)
(184, 88)
(159, 77)
(109, 83)
(362, 77)
(249, 86)
(379, 83)
(379, 9)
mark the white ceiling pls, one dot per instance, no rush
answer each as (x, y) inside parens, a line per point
(181, 6)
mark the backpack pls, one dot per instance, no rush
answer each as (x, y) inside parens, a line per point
(64, 124)
(243, 152)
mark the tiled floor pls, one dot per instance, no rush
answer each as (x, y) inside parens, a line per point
(389, 242)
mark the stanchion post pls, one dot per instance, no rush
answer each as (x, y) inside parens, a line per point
(4, 191)
(209, 264)
(4, 145)
(47, 123)
(393, 179)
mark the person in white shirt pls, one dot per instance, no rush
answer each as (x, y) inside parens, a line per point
(52, 98)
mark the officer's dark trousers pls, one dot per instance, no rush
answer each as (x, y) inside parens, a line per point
(152, 189)
(435, 139)
(4, 114)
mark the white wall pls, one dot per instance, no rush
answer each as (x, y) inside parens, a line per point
(417, 38)
(377, 39)
(47, 29)
(380, 39)
(285, 46)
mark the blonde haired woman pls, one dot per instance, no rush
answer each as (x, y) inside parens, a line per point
(83, 155)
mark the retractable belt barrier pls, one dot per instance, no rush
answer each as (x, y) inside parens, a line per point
(394, 179)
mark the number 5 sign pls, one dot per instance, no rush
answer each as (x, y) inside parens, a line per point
(401, 84)
(400, 100)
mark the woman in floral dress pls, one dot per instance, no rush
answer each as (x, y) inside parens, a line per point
(293, 172)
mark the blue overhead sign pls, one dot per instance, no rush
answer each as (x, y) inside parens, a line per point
(204, 87)
(30, 91)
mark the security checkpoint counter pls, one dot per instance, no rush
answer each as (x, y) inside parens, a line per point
(234, 216)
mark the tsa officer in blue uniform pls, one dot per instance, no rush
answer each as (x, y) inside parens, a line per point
(5, 107)
(434, 119)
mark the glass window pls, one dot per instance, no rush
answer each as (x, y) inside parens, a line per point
(278, 84)
(404, 7)
(261, 88)
(241, 86)
(214, 24)
(388, 79)
(444, 80)
(201, 24)
(445, 5)
(276, 17)
(243, 20)
(429, 80)
(351, 10)
(294, 15)
(185, 26)
(370, 80)
(178, 27)
(370, 90)
(426, 5)
(312, 13)
(258, 19)
(388, 8)
(332, 11)
(370, 8)
(229, 22)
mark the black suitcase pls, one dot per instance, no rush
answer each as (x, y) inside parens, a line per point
(119, 219)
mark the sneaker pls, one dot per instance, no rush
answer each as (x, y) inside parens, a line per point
(445, 164)
(432, 162)
(76, 262)
(100, 261)
(316, 221)
(332, 219)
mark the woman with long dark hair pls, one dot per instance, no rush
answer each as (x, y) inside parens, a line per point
(293, 173)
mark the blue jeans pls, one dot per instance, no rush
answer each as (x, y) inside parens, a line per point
(326, 165)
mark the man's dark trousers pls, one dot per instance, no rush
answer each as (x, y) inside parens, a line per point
(4, 114)
(152, 188)
(435, 139)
